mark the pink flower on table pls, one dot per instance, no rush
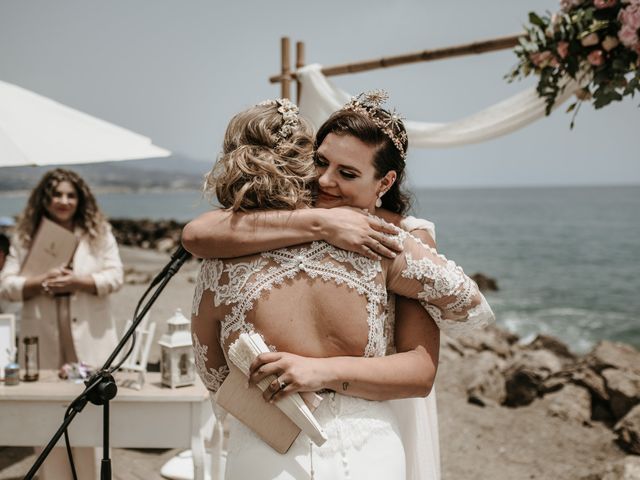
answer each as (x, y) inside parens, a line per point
(563, 49)
(604, 3)
(596, 58)
(609, 43)
(590, 40)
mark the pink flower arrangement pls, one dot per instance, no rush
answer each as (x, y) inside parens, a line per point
(596, 42)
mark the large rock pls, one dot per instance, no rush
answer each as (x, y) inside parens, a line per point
(628, 431)
(451, 348)
(485, 283)
(626, 469)
(491, 338)
(623, 388)
(570, 403)
(547, 342)
(526, 374)
(484, 379)
(608, 354)
(146, 233)
(588, 378)
(600, 407)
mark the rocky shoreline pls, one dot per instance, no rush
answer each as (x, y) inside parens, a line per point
(600, 389)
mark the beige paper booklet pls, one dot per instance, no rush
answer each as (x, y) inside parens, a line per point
(52, 247)
(248, 406)
(277, 424)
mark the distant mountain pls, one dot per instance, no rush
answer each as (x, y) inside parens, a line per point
(174, 172)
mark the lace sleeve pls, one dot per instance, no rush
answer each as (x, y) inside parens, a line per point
(451, 298)
(211, 377)
(210, 361)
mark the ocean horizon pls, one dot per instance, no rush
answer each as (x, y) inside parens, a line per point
(566, 259)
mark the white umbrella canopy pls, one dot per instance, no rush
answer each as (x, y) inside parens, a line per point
(35, 130)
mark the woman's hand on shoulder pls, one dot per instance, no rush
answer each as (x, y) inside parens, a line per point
(352, 229)
(294, 373)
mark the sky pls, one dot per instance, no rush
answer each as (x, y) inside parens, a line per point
(177, 71)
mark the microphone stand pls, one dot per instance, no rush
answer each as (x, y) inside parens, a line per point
(101, 388)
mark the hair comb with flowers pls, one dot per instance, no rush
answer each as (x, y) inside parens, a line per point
(370, 104)
(289, 112)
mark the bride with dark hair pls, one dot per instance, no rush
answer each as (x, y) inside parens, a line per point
(323, 309)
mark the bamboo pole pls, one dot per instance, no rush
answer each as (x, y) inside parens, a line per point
(285, 76)
(482, 46)
(299, 65)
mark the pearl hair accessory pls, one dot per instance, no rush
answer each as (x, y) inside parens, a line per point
(370, 104)
(289, 112)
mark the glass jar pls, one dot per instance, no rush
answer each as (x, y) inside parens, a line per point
(12, 374)
(31, 359)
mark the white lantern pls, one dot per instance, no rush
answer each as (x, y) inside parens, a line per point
(176, 361)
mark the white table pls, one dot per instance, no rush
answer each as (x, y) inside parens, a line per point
(154, 417)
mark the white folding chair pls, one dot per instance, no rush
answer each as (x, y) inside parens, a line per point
(137, 361)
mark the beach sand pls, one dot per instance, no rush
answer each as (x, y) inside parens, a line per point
(477, 443)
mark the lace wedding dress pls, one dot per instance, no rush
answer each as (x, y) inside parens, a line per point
(338, 297)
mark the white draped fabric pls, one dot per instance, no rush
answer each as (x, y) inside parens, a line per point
(320, 98)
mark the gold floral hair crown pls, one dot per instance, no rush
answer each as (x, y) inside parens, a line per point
(370, 104)
(289, 112)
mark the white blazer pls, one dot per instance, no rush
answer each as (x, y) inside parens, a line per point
(92, 326)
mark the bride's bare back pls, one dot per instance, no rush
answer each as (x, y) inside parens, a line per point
(318, 301)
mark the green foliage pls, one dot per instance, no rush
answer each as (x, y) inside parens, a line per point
(571, 44)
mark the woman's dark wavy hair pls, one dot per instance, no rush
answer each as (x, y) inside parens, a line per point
(386, 158)
(88, 217)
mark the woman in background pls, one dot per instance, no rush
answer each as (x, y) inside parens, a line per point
(67, 308)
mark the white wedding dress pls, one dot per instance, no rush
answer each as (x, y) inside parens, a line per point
(287, 293)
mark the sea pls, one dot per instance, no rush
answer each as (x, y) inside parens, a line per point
(566, 259)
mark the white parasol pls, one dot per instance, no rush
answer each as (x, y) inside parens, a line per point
(35, 130)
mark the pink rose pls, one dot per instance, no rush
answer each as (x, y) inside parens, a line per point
(628, 36)
(596, 58)
(604, 3)
(609, 43)
(630, 16)
(563, 49)
(590, 40)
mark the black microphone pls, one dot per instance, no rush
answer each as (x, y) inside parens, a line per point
(178, 257)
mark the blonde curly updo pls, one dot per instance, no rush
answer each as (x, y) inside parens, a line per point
(266, 162)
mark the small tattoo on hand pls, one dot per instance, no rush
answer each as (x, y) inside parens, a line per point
(345, 385)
